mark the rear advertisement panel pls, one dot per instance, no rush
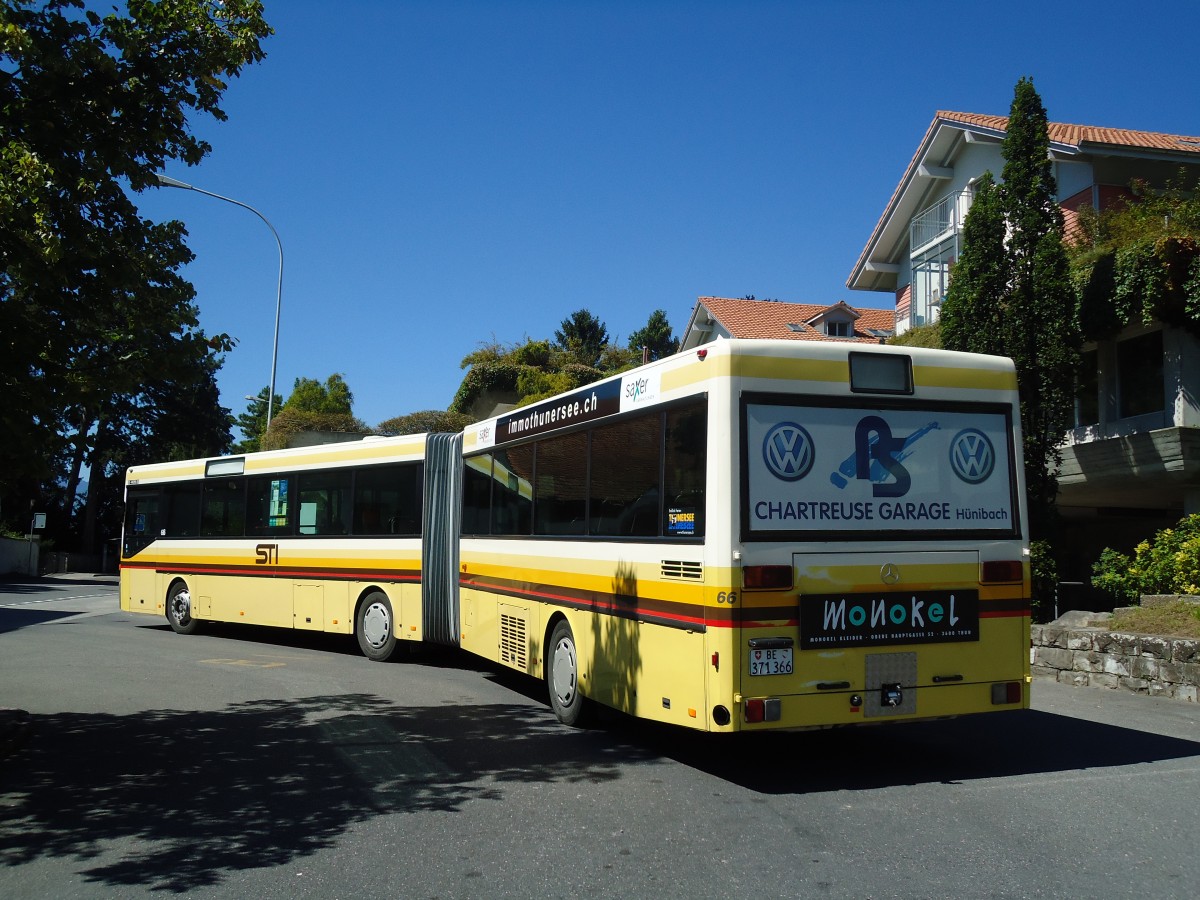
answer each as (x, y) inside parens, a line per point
(844, 471)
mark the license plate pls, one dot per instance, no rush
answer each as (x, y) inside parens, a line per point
(776, 661)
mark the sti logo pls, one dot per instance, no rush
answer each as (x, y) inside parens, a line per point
(788, 451)
(972, 456)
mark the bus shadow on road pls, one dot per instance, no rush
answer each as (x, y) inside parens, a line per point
(177, 800)
(954, 751)
(25, 617)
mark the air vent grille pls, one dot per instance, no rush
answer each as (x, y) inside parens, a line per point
(513, 641)
(692, 571)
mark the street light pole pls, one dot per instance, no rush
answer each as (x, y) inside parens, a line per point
(167, 181)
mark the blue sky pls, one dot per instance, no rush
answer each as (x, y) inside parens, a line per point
(443, 174)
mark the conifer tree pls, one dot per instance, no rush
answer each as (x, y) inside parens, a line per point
(971, 312)
(1014, 296)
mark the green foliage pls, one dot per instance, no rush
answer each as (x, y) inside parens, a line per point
(1139, 262)
(656, 336)
(483, 378)
(1110, 575)
(1169, 563)
(583, 336)
(99, 337)
(291, 422)
(1043, 580)
(313, 406)
(253, 422)
(427, 421)
(928, 335)
(614, 359)
(537, 383)
(537, 354)
(487, 352)
(310, 395)
(534, 370)
(973, 308)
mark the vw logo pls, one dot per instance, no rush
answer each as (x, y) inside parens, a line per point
(972, 456)
(788, 451)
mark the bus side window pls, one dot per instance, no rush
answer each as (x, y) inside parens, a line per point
(560, 498)
(325, 502)
(387, 500)
(269, 506)
(687, 438)
(625, 499)
(224, 510)
(477, 493)
(183, 510)
(512, 494)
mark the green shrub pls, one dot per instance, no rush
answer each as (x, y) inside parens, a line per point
(1169, 563)
(1043, 576)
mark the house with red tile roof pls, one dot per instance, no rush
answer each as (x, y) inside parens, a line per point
(1132, 463)
(719, 317)
(916, 240)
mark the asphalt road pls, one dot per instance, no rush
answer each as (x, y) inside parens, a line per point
(242, 762)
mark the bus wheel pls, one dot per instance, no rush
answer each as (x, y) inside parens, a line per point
(562, 676)
(179, 609)
(374, 627)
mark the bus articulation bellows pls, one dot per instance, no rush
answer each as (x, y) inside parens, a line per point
(751, 535)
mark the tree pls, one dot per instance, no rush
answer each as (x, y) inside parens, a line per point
(972, 320)
(1011, 294)
(656, 336)
(426, 421)
(253, 422)
(93, 312)
(177, 416)
(309, 395)
(532, 370)
(313, 406)
(583, 336)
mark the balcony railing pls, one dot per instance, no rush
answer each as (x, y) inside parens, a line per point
(943, 218)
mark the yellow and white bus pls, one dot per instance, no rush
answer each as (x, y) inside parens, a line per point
(751, 535)
(323, 538)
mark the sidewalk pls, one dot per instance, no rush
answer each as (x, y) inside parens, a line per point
(61, 578)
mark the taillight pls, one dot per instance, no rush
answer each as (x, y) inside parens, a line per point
(769, 709)
(767, 578)
(754, 710)
(997, 571)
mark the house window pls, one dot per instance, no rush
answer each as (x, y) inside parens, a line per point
(1140, 375)
(837, 329)
(1087, 390)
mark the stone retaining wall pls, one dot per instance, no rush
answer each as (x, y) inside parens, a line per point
(1073, 651)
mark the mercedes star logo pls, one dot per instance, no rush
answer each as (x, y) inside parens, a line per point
(889, 574)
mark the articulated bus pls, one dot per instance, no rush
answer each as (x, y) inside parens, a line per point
(750, 535)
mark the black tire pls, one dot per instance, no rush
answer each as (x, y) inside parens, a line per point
(562, 676)
(375, 627)
(179, 609)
